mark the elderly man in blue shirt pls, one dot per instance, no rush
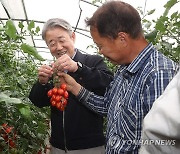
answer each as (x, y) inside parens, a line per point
(142, 76)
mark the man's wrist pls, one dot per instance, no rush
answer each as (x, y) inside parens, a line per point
(76, 89)
(80, 67)
(83, 94)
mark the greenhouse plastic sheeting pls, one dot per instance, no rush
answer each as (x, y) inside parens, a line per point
(41, 10)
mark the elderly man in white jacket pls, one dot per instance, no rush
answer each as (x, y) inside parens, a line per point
(161, 127)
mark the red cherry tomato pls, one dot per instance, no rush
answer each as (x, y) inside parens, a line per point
(54, 90)
(53, 103)
(58, 98)
(11, 143)
(63, 86)
(4, 125)
(5, 136)
(49, 93)
(66, 95)
(40, 151)
(62, 108)
(60, 91)
(8, 130)
(58, 105)
(53, 98)
(64, 102)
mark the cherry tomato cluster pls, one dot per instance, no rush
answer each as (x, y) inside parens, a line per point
(59, 96)
(8, 135)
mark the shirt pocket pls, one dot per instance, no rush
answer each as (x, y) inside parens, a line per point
(127, 123)
(124, 130)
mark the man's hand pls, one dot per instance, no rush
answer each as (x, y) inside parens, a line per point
(44, 73)
(65, 63)
(72, 85)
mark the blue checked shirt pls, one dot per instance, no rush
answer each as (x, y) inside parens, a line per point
(129, 97)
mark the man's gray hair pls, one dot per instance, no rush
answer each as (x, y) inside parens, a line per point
(56, 22)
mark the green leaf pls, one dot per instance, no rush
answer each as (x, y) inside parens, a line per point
(25, 111)
(5, 98)
(177, 24)
(168, 6)
(21, 25)
(31, 50)
(170, 3)
(151, 36)
(160, 24)
(175, 14)
(10, 29)
(31, 25)
(1, 28)
(37, 29)
(151, 12)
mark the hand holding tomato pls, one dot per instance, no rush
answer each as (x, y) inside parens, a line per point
(44, 73)
(65, 63)
(71, 83)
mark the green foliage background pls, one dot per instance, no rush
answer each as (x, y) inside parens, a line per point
(18, 73)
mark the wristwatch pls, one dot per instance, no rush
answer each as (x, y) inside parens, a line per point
(80, 66)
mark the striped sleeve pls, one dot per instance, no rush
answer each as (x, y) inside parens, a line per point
(92, 101)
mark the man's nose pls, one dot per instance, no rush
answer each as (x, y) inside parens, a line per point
(59, 46)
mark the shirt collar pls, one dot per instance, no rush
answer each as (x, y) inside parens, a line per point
(137, 63)
(75, 51)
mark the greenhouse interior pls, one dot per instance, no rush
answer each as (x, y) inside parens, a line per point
(24, 127)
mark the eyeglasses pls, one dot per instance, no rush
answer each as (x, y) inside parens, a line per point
(54, 43)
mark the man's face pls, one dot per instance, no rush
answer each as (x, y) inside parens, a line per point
(113, 49)
(60, 42)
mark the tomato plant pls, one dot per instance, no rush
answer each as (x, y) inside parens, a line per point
(22, 125)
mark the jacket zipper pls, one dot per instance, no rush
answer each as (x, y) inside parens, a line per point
(65, 148)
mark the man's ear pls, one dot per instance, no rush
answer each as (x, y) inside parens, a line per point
(123, 38)
(73, 36)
